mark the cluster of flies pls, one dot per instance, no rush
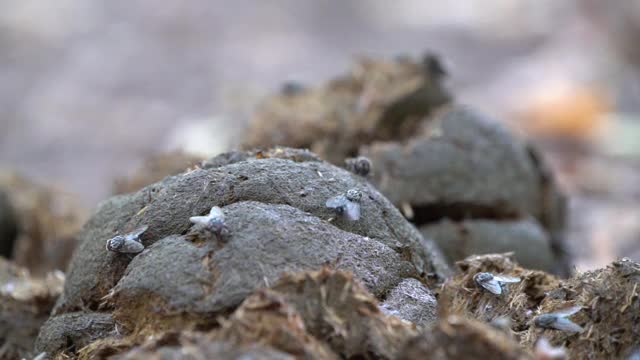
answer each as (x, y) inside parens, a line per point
(346, 205)
(131, 243)
(559, 320)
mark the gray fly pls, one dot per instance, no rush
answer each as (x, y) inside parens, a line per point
(559, 320)
(213, 222)
(493, 283)
(359, 165)
(346, 205)
(127, 244)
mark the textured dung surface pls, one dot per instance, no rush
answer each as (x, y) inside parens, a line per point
(70, 332)
(205, 350)
(411, 301)
(266, 241)
(526, 238)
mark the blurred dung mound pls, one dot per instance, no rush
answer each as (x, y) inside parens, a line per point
(470, 185)
(25, 303)
(46, 220)
(154, 169)
(276, 220)
(377, 100)
(463, 179)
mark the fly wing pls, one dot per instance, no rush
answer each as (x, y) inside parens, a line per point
(336, 202)
(139, 231)
(565, 324)
(506, 279)
(492, 286)
(199, 220)
(568, 311)
(132, 247)
(353, 211)
(216, 212)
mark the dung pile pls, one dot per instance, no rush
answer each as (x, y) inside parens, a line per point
(38, 224)
(276, 220)
(463, 179)
(25, 303)
(602, 306)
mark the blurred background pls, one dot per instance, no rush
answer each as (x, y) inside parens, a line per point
(90, 89)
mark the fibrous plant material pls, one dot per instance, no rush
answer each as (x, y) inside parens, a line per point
(25, 303)
(199, 347)
(593, 315)
(266, 318)
(324, 314)
(377, 100)
(45, 221)
(337, 309)
(463, 296)
(456, 337)
(607, 307)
